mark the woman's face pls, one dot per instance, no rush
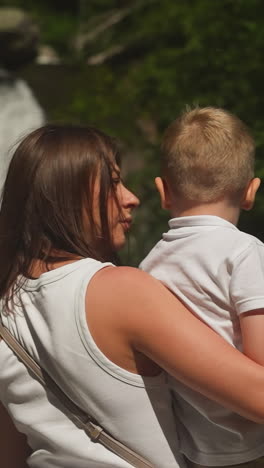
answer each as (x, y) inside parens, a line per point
(119, 217)
(120, 220)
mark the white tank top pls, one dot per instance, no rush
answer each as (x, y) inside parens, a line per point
(51, 325)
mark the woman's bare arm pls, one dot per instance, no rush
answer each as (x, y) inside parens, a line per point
(13, 447)
(140, 314)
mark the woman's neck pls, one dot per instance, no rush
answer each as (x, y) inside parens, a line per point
(38, 266)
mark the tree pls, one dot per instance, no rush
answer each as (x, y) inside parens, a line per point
(148, 59)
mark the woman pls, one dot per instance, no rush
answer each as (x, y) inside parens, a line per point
(102, 332)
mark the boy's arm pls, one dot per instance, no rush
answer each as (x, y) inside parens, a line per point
(252, 330)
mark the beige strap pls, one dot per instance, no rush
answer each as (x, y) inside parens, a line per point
(83, 420)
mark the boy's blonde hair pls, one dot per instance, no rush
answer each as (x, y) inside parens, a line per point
(208, 154)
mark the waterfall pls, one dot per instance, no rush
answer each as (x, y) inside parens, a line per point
(19, 114)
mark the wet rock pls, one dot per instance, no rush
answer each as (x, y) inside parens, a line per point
(19, 37)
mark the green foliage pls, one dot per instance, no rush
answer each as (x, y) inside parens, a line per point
(173, 53)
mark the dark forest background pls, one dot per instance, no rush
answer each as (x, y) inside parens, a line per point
(130, 67)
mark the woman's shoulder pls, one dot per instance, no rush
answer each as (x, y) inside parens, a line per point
(127, 295)
(125, 278)
(128, 287)
(117, 308)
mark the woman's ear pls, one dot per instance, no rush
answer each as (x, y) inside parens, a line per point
(163, 190)
(250, 193)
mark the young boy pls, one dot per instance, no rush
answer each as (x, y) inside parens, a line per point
(217, 270)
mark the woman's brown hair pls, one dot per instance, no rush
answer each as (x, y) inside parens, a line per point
(47, 201)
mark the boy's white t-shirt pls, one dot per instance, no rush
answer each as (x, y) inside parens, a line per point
(218, 271)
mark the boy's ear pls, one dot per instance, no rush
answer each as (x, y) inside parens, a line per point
(163, 190)
(250, 193)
